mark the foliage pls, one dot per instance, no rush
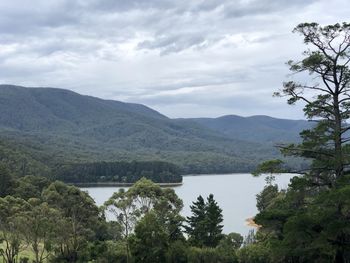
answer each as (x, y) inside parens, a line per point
(309, 221)
(142, 198)
(267, 195)
(79, 218)
(10, 228)
(122, 172)
(208, 255)
(55, 127)
(150, 241)
(254, 253)
(204, 226)
(7, 181)
(37, 225)
(30, 186)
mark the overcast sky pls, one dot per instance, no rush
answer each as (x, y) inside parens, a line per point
(184, 58)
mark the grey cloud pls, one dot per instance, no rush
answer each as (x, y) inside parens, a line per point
(174, 43)
(261, 7)
(165, 53)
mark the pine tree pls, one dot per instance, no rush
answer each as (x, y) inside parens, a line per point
(204, 226)
(195, 228)
(213, 214)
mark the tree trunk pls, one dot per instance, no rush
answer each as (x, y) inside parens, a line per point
(338, 152)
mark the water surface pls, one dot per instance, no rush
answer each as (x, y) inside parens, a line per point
(235, 194)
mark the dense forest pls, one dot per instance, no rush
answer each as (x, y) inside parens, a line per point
(120, 172)
(42, 220)
(53, 126)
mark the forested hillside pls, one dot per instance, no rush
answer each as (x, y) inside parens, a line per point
(262, 129)
(55, 126)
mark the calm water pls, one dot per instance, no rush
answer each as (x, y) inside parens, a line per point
(235, 194)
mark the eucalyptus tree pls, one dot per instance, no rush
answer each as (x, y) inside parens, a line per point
(78, 222)
(131, 206)
(38, 227)
(10, 230)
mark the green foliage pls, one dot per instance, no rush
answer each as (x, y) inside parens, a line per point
(177, 252)
(231, 241)
(254, 253)
(204, 226)
(7, 182)
(30, 186)
(270, 167)
(150, 241)
(123, 172)
(309, 221)
(79, 218)
(196, 223)
(131, 211)
(54, 127)
(267, 195)
(10, 228)
(108, 252)
(38, 227)
(208, 255)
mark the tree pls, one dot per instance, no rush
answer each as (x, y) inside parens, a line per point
(7, 182)
(142, 198)
(149, 243)
(267, 195)
(204, 226)
(79, 218)
(327, 100)
(228, 247)
(254, 253)
(309, 221)
(213, 222)
(10, 231)
(196, 229)
(231, 240)
(38, 226)
(30, 186)
(125, 212)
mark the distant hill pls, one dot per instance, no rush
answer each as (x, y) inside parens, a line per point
(262, 129)
(59, 126)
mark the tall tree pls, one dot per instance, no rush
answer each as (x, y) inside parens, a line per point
(309, 221)
(142, 198)
(326, 99)
(79, 218)
(204, 226)
(150, 241)
(126, 214)
(38, 226)
(10, 231)
(214, 221)
(195, 229)
(7, 182)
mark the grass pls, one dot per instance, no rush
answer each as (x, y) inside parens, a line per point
(25, 253)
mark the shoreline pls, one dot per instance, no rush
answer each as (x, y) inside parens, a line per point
(116, 184)
(119, 184)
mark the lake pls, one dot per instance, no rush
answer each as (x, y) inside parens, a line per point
(235, 194)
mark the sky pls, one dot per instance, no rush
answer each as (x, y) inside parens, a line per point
(198, 58)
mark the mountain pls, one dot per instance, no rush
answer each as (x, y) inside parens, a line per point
(262, 129)
(56, 126)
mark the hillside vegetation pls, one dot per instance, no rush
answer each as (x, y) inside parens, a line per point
(55, 126)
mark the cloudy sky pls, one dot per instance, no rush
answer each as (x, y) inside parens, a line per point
(184, 58)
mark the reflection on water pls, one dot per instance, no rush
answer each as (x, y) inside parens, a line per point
(235, 194)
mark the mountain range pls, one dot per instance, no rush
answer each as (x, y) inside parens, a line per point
(49, 126)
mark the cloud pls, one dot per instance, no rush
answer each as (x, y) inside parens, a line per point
(185, 58)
